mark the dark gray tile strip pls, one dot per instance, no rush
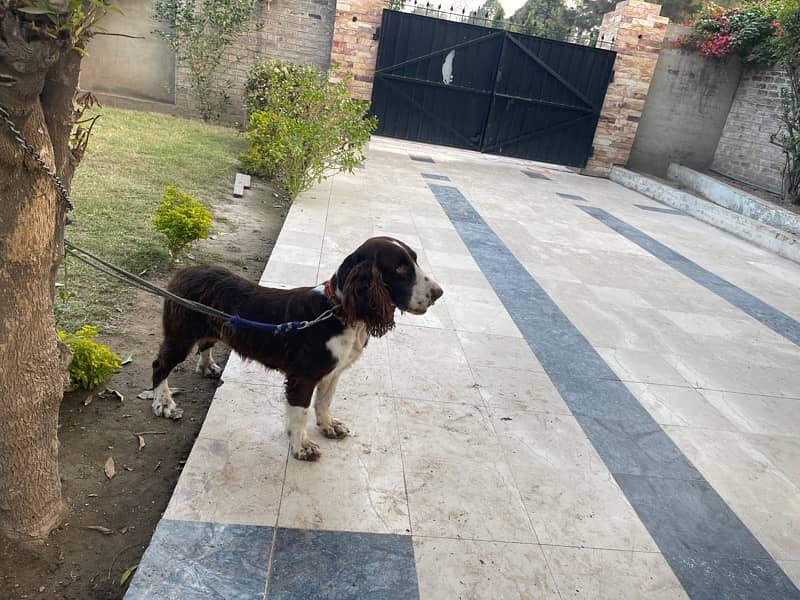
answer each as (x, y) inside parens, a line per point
(340, 565)
(533, 175)
(421, 158)
(778, 321)
(572, 197)
(658, 209)
(708, 547)
(190, 560)
(435, 177)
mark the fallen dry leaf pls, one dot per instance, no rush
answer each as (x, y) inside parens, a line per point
(88, 400)
(141, 442)
(100, 528)
(109, 467)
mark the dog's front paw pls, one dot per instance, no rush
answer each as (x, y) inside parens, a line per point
(173, 413)
(336, 430)
(167, 409)
(212, 370)
(307, 451)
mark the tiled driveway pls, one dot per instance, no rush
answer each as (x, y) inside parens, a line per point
(605, 404)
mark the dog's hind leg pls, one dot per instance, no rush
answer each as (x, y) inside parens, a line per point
(205, 364)
(330, 427)
(171, 353)
(298, 393)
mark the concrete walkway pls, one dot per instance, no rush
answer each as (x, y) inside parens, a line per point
(605, 404)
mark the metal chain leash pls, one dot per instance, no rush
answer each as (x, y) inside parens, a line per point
(30, 150)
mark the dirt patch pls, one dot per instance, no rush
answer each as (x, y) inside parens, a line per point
(80, 563)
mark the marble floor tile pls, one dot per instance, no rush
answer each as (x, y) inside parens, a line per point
(342, 565)
(240, 370)
(792, 569)
(512, 389)
(477, 570)
(487, 350)
(197, 561)
(434, 381)
(611, 574)
(447, 430)
(357, 484)
(476, 500)
(424, 344)
(579, 507)
(758, 414)
(230, 482)
(247, 413)
(681, 406)
(643, 367)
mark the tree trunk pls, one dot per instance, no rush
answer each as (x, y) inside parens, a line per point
(38, 78)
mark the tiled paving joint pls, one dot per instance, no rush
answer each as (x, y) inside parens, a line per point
(708, 547)
(477, 470)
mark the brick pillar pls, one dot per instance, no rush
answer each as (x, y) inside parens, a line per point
(638, 33)
(353, 49)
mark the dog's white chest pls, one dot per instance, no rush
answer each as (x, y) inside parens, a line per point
(348, 346)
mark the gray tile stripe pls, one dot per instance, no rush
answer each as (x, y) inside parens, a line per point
(196, 560)
(710, 550)
(436, 177)
(658, 209)
(778, 321)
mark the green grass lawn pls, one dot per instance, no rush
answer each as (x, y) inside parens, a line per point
(132, 157)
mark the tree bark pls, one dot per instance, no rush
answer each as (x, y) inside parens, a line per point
(38, 78)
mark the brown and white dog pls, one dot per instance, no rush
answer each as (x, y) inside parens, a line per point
(380, 276)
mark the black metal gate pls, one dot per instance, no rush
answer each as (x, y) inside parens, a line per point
(457, 84)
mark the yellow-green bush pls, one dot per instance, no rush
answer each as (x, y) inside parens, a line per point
(181, 219)
(92, 362)
(302, 126)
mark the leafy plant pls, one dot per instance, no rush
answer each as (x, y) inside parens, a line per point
(302, 127)
(181, 219)
(767, 32)
(786, 49)
(91, 362)
(200, 33)
(746, 32)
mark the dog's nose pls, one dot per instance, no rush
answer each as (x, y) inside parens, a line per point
(436, 293)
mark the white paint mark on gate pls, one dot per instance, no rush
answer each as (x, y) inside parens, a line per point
(447, 68)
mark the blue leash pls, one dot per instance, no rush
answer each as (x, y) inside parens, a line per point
(236, 321)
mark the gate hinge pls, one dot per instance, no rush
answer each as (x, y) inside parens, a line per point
(591, 152)
(613, 72)
(377, 34)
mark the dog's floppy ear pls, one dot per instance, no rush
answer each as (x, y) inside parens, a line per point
(366, 298)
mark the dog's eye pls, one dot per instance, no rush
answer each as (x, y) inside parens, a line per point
(402, 269)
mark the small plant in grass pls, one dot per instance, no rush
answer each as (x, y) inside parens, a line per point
(182, 220)
(302, 126)
(92, 362)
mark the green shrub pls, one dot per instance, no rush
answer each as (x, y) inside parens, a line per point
(182, 219)
(92, 362)
(302, 127)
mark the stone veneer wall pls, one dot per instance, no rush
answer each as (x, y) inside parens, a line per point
(638, 33)
(354, 49)
(744, 150)
(297, 31)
